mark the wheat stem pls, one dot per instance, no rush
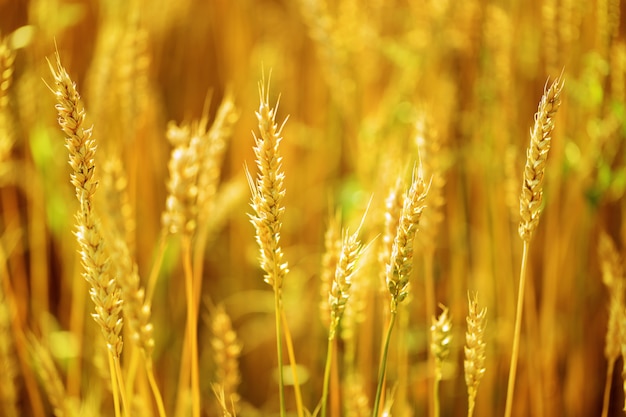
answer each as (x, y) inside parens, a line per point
(607, 388)
(192, 327)
(327, 366)
(517, 332)
(383, 364)
(294, 369)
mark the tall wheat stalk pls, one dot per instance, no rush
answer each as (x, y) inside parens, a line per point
(530, 207)
(268, 191)
(104, 290)
(400, 265)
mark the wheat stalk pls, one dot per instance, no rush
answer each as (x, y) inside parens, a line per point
(268, 191)
(400, 265)
(530, 207)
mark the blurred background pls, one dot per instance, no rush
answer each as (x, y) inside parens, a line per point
(370, 88)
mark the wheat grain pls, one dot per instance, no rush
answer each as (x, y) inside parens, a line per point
(332, 252)
(9, 390)
(536, 157)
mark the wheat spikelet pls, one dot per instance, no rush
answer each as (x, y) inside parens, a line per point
(474, 363)
(268, 192)
(536, 156)
(104, 290)
(226, 351)
(400, 264)
(356, 401)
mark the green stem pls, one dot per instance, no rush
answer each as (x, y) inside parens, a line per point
(278, 307)
(383, 361)
(329, 360)
(517, 334)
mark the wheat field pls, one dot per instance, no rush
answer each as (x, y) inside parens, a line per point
(312, 208)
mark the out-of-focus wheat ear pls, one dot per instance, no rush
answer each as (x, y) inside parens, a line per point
(356, 400)
(7, 60)
(475, 345)
(182, 188)
(118, 207)
(62, 404)
(217, 142)
(226, 351)
(332, 251)
(400, 264)
(613, 277)
(536, 158)
(617, 71)
(440, 341)
(9, 390)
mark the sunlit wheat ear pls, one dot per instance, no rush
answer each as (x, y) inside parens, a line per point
(268, 192)
(62, 405)
(400, 264)
(351, 250)
(104, 289)
(536, 157)
(475, 345)
(226, 351)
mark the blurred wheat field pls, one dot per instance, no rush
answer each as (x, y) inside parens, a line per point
(383, 99)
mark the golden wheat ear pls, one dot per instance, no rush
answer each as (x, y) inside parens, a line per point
(475, 345)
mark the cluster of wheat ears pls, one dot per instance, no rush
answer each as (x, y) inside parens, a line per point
(407, 261)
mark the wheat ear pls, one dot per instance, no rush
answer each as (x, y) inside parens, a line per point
(400, 265)
(530, 207)
(226, 351)
(268, 191)
(475, 345)
(613, 278)
(104, 290)
(440, 340)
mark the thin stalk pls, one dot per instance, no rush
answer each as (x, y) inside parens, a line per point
(470, 407)
(192, 327)
(329, 360)
(294, 369)
(607, 388)
(429, 287)
(518, 329)
(436, 405)
(383, 363)
(278, 308)
(120, 384)
(114, 386)
(155, 388)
